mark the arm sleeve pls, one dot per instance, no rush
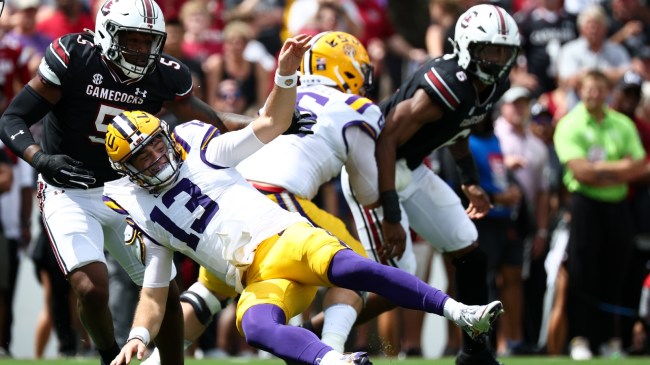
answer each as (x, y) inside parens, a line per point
(159, 270)
(26, 109)
(231, 148)
(361, 166)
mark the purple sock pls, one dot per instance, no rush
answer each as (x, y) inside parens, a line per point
(264, 327)
(351, 271)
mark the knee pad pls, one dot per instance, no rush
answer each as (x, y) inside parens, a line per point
(205, 304)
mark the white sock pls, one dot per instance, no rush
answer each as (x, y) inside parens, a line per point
(331, 358)
(339, 319)
(451, 311)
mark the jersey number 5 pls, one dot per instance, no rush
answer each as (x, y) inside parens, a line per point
(104, 117)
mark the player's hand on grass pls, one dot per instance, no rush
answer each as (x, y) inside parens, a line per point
(133, 346)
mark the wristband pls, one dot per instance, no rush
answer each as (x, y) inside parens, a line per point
(467, 170)
(139, 333)
(286, 82)
(390, 203)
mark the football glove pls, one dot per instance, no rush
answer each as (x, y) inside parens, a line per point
(301, 123)
(63, 170)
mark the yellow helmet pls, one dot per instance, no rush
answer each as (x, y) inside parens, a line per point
(337, 59)
(127, 134)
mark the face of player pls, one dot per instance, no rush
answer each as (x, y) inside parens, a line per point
(136, 47)
(151, 158)
(494, 54)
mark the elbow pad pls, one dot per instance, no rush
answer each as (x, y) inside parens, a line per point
(25, 110)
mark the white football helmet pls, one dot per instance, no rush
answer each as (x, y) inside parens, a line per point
(117, 17)
(486, 41)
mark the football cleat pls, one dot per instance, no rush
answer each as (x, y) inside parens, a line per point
(356, 358)
(476, 320)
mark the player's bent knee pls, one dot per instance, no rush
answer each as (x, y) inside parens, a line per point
(204, 303)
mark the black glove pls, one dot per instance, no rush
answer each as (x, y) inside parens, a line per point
(301, 123)
(63, 170)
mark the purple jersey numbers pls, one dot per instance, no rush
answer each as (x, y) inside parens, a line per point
(197, 198)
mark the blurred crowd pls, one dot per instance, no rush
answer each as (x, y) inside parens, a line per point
(568, 255)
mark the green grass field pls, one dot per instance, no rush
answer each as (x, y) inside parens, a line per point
(536, 360)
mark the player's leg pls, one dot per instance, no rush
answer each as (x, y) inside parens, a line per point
(341, 306)
(436, 213)
(78, 243)
(311, 256)
(368, 225)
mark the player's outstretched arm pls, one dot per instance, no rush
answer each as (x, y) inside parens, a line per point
(146, 324)
(277, 114)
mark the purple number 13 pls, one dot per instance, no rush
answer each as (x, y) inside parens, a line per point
(197, 198)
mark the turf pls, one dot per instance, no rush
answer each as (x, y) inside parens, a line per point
(537, 360)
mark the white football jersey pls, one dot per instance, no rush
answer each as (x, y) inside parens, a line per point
(302, 163)
(211, 214)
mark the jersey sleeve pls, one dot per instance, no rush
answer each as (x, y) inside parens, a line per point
(176, 75)
(61, 56)
(365, 115)
(441, 87)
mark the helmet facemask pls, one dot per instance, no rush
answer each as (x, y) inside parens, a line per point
(134, 63)
(490, 62)
(159, 173)
(139, 146)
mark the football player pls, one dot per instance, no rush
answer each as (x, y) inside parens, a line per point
(83, 81)
(436, 107)
(182, 193)
(336, 73)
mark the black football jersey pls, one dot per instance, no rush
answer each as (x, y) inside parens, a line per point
(450, 87)
(93, 93)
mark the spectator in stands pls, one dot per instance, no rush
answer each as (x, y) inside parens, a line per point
(630, 24)
(602, 152)
(590, 51)
(527, 157)
(69, 16)
(252, 77)
(23, 30)
(201, 39)
(544, 29)
(499, 235)
(444, 14)
(229, 98)
(15, 217)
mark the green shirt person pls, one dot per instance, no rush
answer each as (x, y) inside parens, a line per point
(600, 147)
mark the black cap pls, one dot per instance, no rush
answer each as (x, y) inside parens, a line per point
(630, 80)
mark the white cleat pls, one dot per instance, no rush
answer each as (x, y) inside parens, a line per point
(476, 320)
(355, 358)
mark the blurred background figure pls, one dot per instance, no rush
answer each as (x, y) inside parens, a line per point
(68, 16)
(602, 153)
(202, 37)
(253, 78)
(544, 28)
(229, 98)
(592, 50)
